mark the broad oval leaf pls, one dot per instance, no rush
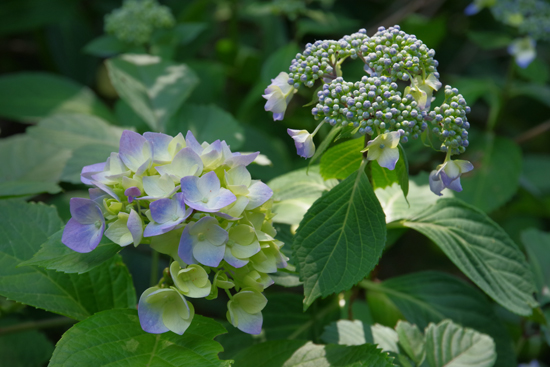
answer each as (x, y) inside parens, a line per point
(115, 338)
(154, 88)
(29, 97)
(340, 239)
(495, 179)
(432, 296)
(449, 345)
(23, 228)
(298, 353)
(481, 249)
(343, 159)
(55, 255)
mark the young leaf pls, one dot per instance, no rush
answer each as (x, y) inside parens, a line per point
(55, 255)
(342, 160)
(298, 353)
(154, 88)
(481, 249)
(295, 192)
(115, 338)
(340, 239)
(24, 227)
(449, 345)
(433, 296)
(412, 341)
(208, 123)
(29, 97)
(496, 177)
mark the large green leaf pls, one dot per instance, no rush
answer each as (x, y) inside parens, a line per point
(495, 179)
(84, 156)
(55, 255)
(115, 338)
(23, 228)
(535, 174)
(536, 91)
(154, 88)
(420, 197)
(347, 332)
(297, 353)
(15, 351)
(29, 97)
(17, 188)
(433, 296)
(537, 244)
(296, 191)
(449, 345)
(481, 249)
(29, 160)
(207, 123)
(340, 239)
(343, 159)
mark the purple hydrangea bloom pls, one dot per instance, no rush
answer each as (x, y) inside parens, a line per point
(85, 229)
(245, 310)
(135, 151)
(161, 310)
(205, 193)
(203, 242)
(448, 176)
(303, 141)
(167, 214)
(278, 95)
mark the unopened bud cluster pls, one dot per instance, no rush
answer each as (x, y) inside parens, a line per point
(451, 124)
(531, 17)
(136, 20)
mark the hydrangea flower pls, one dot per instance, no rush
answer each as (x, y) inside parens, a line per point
(278, 95)
(244, 310)
(523, 50)
(303, 141)
(448, 175)
(168, 190)
(84, 230)
(422, 90)
(384, 149)
(161, 310)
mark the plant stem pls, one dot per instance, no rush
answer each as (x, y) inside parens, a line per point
(154, 268)
(42, 324)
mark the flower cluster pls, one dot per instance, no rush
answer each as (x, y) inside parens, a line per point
(198, 204)
(136, 20)
(376, 105)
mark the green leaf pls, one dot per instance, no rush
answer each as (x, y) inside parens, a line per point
(29, 348)
(55, 255)
(537, 245)
(23, 228)
(297, 353)
(535, 173)
(385, 337)
(346, 223)
(72, 131)
(489, 40)
(537, 71)
(295, 192)
(27, 159)
(433, 296)
(342, 160)
(324, 145)
(154, 88)
(347, 332)
(11, 189)
(495, 178)
(189, 31)
(115, 338)
(29, 97)
(207, 123)
(449, 345)
(84, 156)
(420, 197)
(538, 92)
(382, 177)
(411, 340)
(278, 61)
(481, 249)
(106, 46)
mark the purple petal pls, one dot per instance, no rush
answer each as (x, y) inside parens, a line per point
(455, 185)
(135, 226)
(185, 163)
(85, 211)
(193, 143)
(436, 185)
(209, 185)
(278, 116)
(132, 151)
(471, 9)
(224, 198)
(388, 158)
(159, 143)
(185, 249)
(131, 193)
(88, 171)
(163, 210)
(232, 260)
(156, 229)
(181, 211)
(82, 238)
(150, 317)
(106, 189)
(208, 254)
(190, 190)
(446, 179)
(239, 159)
(259, 193)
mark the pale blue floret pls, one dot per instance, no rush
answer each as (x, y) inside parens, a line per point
(84, 230)
(205, 193)
(161, 310)
(203, 242)
(166, 215)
